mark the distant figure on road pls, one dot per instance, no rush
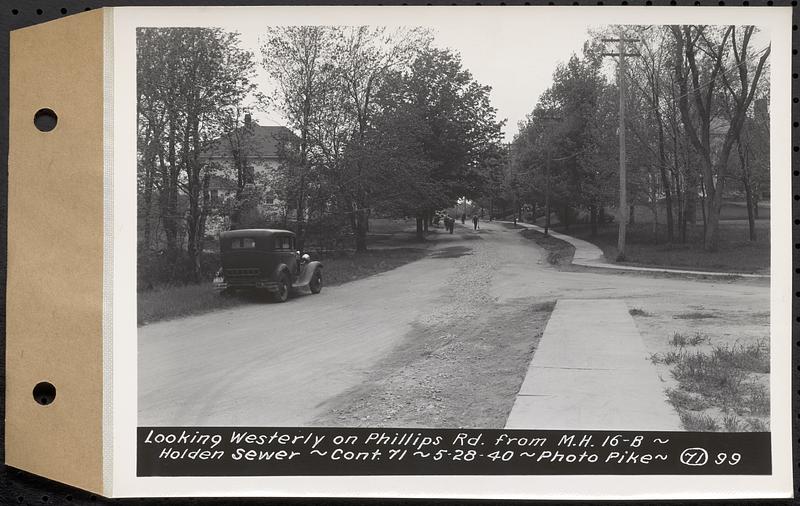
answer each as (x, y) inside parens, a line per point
(475, 221)
(515, 222)
(449, 224)
(463, 218)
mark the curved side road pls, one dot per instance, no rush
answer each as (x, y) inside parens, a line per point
(589, 255)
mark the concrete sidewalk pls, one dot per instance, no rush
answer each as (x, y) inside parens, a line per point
(592, 372)
(589, 255)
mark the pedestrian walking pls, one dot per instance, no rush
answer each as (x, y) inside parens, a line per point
(515, 222)
(463, 218)
(475, 221)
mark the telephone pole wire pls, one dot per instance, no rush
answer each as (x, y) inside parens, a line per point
(623, 197)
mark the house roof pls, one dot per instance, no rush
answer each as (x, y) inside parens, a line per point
(256, 141)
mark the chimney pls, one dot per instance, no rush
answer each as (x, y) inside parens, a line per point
(248, 120)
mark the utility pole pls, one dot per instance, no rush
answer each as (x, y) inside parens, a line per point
(547, 193)
(623, 197)
(549, 120)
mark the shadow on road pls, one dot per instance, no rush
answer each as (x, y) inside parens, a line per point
(452, 252)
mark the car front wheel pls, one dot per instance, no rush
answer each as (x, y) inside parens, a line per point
(282, 295)
(316, 282)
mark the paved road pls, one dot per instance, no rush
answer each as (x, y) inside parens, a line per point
(278, 364)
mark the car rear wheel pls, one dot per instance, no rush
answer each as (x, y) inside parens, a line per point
(315, 285)
(282, 295)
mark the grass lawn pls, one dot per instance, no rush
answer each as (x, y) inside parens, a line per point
(736, 253)
(558, 252)
(176, 301)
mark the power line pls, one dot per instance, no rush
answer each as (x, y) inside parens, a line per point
(659, 108)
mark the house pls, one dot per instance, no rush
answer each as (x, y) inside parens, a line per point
(260, 151)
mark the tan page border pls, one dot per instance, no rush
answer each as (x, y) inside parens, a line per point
(54, 305)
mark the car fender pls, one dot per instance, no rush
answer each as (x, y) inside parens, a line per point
(279, 271)
(308, 271)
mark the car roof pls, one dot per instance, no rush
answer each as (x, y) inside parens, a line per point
(255, 232)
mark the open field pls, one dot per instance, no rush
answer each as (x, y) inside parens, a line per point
(731, 210)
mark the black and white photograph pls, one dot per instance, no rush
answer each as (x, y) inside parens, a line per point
(355, 225)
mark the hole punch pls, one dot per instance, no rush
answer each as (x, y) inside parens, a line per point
(45, 120)
(44, 393)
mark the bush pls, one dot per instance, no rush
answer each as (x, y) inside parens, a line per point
(158, 268)
(328, 233)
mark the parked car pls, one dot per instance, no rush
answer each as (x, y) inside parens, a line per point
(265, 259)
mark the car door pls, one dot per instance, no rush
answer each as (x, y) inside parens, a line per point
(284, 247)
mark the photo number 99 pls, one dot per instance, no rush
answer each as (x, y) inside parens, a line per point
(699, 457)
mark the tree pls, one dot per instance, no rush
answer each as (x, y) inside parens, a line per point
(447, 115)
(701, 56)
(571, 131)
(300, 60)
(366, 56)
(189, 80)
(650, 79)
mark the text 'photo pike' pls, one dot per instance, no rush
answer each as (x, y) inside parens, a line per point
(508, 252)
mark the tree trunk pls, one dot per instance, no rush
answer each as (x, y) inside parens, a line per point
(655, 221)
(361, 230)
(704, 204)
(664, 177)
(420, 228)
(748, 189)
(170, 188)
(750, 216)
(678, 200)
(712, 226)
(631, 215)
(689, 211)
(300, 228)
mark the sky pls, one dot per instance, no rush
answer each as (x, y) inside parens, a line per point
(517, 64)
(513, 50)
